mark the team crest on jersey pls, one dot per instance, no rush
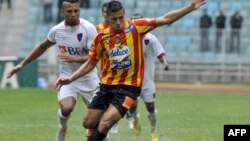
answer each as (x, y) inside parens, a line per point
(146, 41)
(79, 37)
(117, 40)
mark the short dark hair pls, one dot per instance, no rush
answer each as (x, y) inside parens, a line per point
(71, 1)
(114, 6)
(136, 16)
(105, 6)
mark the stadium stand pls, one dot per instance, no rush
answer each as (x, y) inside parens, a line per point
(11, 27)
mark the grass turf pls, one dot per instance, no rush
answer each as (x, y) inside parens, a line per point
(31, 114)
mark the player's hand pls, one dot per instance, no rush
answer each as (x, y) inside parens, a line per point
(66, 57)
(14, 70)
(165, 66)
(62, 81)
(197, 3)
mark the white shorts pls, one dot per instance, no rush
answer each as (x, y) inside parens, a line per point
(86, 89)
(147, 94)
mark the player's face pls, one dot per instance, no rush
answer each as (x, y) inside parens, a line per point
(71, 13)
(117, 20)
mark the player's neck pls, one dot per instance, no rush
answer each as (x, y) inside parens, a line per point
(71, 24)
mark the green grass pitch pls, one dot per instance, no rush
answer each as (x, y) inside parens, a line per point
(31, 115)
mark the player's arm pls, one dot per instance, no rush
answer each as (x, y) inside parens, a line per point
(91, 29)
(72, 58)
(159, 51)
(172, 16)
(83, 70)
(163, 60)
(34, 54)
(94, 55)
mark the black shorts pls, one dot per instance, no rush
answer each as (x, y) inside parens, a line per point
(120, 96)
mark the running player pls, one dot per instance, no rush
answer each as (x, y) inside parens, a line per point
(72, 37)
(152, 49)
(123, 72)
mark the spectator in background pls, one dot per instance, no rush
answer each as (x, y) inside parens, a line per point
(84, 3)
(220, 26)
(205, 24)
(47, 11)
(9, 3)
(236, 22)
(59, 7)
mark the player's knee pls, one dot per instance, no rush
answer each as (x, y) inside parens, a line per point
(150, 107)
(66, 111)
(88, 123)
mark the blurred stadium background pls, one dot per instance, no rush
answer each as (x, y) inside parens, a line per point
(183, 115)
(22, 27)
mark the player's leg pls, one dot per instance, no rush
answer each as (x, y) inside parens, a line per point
(130, 116)
(151, 114)
(67, 100)
(110, 117)
(152, 118)
(87, 90)
(148, 96)
(133, 111)
(122, 99)
(96, 109)
(134, 119)
(130, 120)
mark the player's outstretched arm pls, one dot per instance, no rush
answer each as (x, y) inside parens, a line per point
(70, 58)
(88, 66)
(163, 60)
(172, 16)
(34, 54)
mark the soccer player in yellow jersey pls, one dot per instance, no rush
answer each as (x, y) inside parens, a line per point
(152, 49)
(122, 74)
(101, 26)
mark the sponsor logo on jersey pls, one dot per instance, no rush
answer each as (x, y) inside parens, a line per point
(125, 64)
(118, 53)
(130, 28)
(72, 50)
(120, 57)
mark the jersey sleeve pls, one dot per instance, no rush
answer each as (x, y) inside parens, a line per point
(92, 32)
(157, 47)
(51, 35)
(144, 25)
(95, 50)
